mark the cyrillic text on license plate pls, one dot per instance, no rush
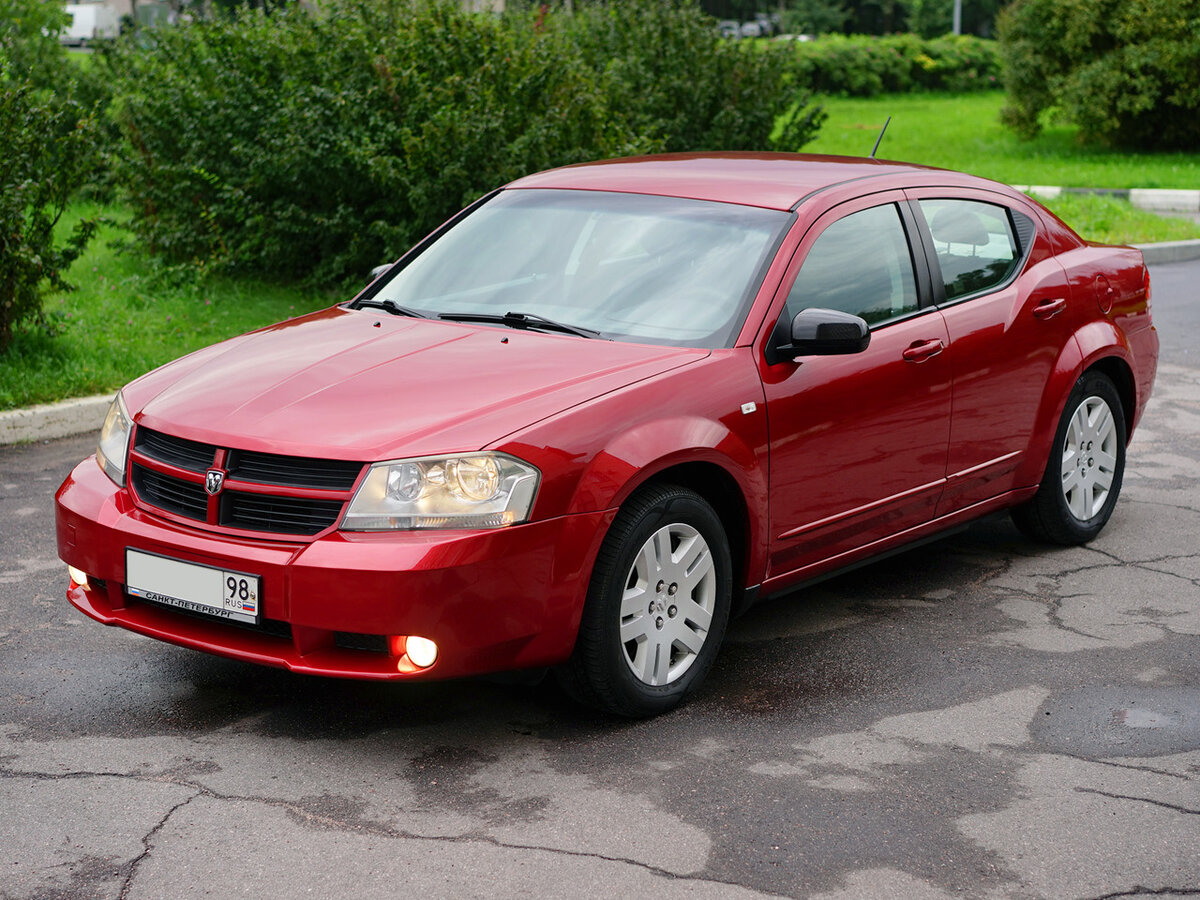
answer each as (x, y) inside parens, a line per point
(203, 589)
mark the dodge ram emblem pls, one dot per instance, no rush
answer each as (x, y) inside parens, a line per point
(213, 480)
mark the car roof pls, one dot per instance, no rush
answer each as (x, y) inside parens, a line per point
(770, 180)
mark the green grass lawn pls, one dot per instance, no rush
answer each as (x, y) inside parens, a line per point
(963, 131)
(1112, 221)
(126, 318)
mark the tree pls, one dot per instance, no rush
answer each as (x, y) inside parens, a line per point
(815, 17)
(47, 144)
(1127, 72)
(934, 18)
(29, 32)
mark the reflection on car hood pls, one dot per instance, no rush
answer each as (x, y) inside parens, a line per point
(357, 385)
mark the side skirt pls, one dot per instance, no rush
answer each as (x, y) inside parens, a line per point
(901, 542)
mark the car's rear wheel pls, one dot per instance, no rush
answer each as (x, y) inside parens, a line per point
(657, 605)
(1084, 473)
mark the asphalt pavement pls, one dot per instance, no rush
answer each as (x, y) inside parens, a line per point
(980, 717)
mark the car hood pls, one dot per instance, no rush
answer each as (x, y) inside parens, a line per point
(350, 384)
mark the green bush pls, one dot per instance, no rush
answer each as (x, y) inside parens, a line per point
(29, 35)
(662, 69)
(864, 66)
(314, 146)
(1127, 72)
(48, 149)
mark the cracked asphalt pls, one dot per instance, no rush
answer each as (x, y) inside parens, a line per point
(980, 717)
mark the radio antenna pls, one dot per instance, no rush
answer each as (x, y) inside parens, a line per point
(879, 139)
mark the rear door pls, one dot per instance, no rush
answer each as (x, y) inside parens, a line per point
(1006, 303)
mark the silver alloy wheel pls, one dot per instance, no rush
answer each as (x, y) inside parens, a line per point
(667, 605)
(1089, 460)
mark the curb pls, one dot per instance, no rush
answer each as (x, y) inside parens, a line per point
(1161, 201)
(1156, 200)
(54, 420)
(1169, 251)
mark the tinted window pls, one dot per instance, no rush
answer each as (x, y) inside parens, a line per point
(861, 265)
(975, 244)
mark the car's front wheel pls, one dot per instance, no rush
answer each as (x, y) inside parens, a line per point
(1086, 466)
(657, 605)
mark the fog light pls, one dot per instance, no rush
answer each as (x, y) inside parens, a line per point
(79, 577)
(413, 653)
(422, 651)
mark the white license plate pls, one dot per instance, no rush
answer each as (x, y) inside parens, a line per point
(203, 589)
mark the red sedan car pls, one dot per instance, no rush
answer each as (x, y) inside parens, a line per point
(604, 408)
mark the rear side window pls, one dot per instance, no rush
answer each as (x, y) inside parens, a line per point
(976, 246)
(860, 264)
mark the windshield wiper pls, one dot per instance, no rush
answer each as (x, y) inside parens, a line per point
(389, 305)
(524, 321)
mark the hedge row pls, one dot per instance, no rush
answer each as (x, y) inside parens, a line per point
(863, 66)
(316, 146)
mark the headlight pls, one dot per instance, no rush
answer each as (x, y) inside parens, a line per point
(470, 490)
(114, 440)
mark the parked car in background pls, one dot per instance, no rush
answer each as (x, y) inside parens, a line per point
(608, 406)
(730, 28)
(89, 22)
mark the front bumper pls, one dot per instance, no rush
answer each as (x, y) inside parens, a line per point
(492, 600)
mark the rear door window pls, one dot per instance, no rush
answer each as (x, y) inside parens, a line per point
(976, 244)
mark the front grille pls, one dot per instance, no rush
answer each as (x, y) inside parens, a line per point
(293, 471)
(155, 476)
(184, 498)
(282, 515)
(190, 455)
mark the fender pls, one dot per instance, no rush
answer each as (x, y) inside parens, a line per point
(645, 452)
(1100, 339)
(1103, 344)
(1088, 345)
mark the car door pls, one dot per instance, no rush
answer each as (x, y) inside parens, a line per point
(857, 442)
(1006, 305)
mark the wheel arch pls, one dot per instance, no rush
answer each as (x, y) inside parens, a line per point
(727, 467)
(1118, 371)
(1098, 346)
(723, 493)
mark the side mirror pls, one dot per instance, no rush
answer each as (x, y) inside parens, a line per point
(824, 332)
(378, 270)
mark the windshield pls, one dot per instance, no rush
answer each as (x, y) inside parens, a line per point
(631, 267)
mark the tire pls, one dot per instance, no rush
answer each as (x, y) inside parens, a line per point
(1085, 470)
(656, 608)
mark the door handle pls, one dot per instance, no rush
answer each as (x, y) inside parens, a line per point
(1048, 309)
(919, 351)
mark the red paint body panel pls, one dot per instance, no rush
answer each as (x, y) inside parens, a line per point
(769, 180)
(816, 463)
(858, 446)
(383, 386)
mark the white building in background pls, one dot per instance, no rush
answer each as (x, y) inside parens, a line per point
(90, 22)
